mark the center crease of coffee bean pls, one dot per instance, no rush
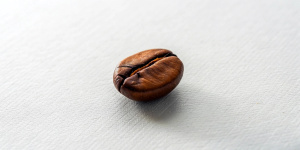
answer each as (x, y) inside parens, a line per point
(136, 69)
(150, 63)
(147, 65)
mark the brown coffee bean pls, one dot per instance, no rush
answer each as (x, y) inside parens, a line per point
(148, 75)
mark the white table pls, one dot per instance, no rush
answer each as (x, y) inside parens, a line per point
(240, 89)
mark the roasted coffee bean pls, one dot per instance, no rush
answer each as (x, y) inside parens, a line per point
(148, 75)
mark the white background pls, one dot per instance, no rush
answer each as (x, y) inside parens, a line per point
(240, 88)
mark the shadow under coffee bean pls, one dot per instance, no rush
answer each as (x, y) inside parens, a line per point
(148, 75)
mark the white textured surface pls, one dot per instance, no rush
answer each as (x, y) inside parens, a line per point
(240, 90)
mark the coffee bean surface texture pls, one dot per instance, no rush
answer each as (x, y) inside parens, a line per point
(148, 75)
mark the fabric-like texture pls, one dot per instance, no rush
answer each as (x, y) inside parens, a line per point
(240, 88)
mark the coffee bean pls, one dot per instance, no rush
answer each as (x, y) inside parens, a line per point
(148, 75)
